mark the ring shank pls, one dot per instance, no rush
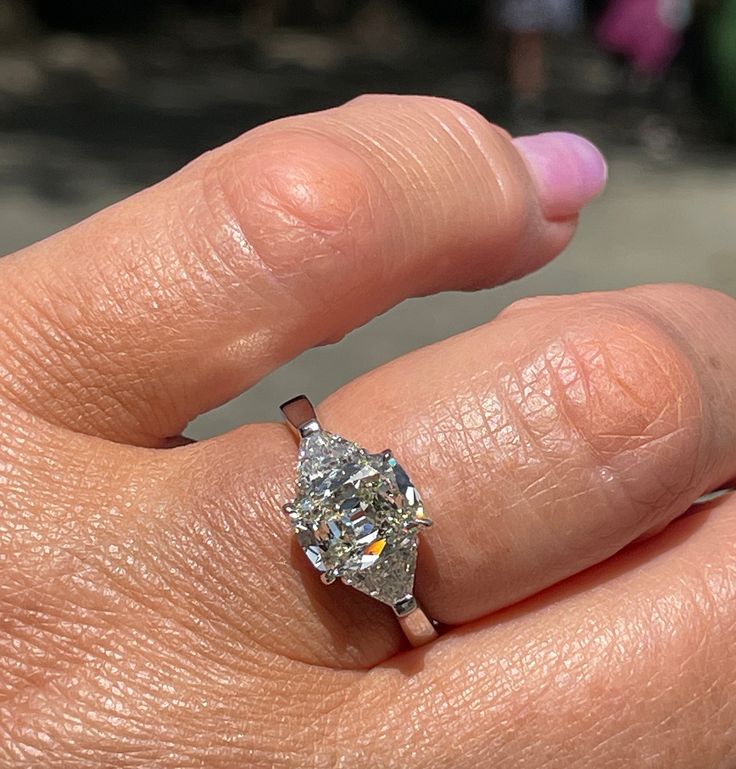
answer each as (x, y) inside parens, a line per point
(418, 628)
(300, 414)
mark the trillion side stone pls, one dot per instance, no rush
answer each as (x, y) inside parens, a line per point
(391, 578)
(356, 514)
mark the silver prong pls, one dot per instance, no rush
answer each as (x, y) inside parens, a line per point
(300, 414)
(424, 522)
(328, 577)
(387, 454)
(405, 606)
(289, 509)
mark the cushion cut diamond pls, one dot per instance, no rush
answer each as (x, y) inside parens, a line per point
(356, 516)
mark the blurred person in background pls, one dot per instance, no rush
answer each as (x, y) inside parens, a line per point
(528, 23)
(647, 33)
(646, 36)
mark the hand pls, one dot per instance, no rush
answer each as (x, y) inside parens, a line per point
(154, 610)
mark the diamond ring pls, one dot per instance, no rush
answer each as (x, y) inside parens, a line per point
(357, 517)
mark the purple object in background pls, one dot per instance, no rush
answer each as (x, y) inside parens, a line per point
(647, 32)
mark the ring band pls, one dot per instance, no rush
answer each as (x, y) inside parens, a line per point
(357, 516)
(417, 626)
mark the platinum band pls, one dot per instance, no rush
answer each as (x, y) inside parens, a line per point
(418, 627)
(300, 414)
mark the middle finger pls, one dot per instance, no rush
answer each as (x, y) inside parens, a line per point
(543, 443)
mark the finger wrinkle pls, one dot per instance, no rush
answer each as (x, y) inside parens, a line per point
(540, 689)
(571, 434)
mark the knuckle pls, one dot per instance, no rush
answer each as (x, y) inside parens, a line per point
(637, 370)
(615, 364)
(530, 304)
(310, 193)
(300, 201)
(594, 400)
(449, 156)
(488, 147)
(618, 382)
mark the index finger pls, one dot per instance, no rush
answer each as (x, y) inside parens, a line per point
(181, 297)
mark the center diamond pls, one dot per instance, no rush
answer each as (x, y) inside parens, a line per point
(356, 516)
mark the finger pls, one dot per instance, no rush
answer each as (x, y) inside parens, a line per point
(161, 307)
(551, 438)
(542, 443)
(630, 665)
(622, 666)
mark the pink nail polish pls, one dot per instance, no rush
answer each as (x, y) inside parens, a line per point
(568, 171)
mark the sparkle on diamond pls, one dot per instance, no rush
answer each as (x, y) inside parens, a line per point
(353, 517)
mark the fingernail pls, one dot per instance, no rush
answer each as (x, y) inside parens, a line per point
(568, 171)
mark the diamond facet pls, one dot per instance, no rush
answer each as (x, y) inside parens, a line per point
(356, 515)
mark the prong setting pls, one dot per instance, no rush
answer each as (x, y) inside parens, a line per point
(300, 414)
(420, 523)
(356, 516)
(405, 606)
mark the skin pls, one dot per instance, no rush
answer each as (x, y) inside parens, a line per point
(154, 610)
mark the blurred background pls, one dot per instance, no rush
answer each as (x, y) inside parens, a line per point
(98, 100)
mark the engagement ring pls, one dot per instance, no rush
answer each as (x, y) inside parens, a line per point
(357, 517)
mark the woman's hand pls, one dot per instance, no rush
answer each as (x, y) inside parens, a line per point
(154, 610)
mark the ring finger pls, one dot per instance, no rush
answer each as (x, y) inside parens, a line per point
(543, 442)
